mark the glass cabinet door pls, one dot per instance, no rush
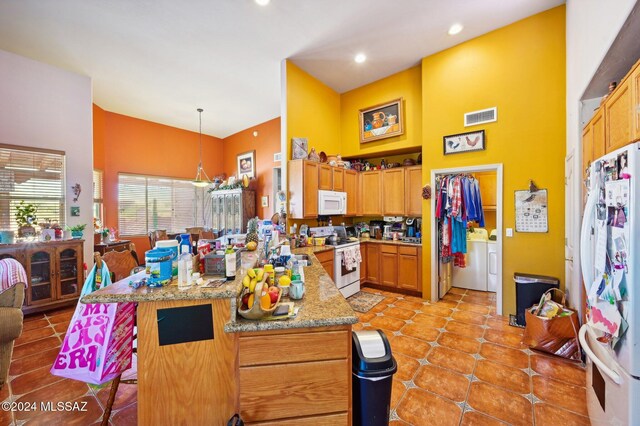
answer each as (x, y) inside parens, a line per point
(41, 276)
(228, 210)
(215, 222)
(237, 214)
(69, 268)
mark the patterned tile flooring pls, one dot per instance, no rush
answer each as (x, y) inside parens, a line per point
(458, 364)
(30, 380)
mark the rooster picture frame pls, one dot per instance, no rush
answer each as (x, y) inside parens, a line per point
(464, 142)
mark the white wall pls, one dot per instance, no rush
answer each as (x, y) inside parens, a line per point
(46, 107)
(592, 26)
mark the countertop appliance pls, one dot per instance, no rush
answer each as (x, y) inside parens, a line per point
(347, 280)
(374, 227)
(394, 226)
(610, 263)
(332, 203)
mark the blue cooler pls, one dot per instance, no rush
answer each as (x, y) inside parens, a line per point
(158, 263)
(173, 246)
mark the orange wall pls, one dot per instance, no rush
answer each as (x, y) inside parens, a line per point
(137, 146)
(265, 144)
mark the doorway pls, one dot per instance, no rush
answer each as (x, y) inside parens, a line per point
(435, 258)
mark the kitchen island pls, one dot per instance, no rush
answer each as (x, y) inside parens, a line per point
(198, 363)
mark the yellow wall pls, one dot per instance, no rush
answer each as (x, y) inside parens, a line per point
(521, 70)
(313, 112)
(405, 84)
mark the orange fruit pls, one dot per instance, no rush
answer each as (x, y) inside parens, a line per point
(250, 304)
(265, 302)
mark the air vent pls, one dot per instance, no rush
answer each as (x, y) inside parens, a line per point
(277, 157)
(479, 117)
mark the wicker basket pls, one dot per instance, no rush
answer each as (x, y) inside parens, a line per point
(256, 312)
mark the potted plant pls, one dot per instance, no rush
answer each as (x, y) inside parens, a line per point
(105, 235)
(26, 218)
(76, 231)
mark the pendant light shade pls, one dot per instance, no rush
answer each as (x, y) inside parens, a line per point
(201, 179)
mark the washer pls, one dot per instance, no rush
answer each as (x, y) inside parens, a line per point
(492, 266)
(474, 275)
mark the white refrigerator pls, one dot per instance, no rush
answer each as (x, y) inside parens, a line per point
(610, 263)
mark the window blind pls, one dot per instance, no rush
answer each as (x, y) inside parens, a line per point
(35, 177)
(148, 203)
(98, 188)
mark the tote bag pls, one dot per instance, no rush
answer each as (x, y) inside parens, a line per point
(557, 335)
(99, 341)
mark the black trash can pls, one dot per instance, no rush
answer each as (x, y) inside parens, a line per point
(529, 290)
(373, 370)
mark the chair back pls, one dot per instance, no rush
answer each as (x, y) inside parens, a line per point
(11, 273)
(120, 263)
(160, 234)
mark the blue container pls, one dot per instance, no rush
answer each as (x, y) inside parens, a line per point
(158, 266)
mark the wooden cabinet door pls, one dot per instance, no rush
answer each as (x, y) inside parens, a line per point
(393, 191)
(587, 148)
(413, 193)
(325, 177)
(618, 117)
(389, 269)
(359, 194)
(328, 266)
(41, 273)
(598, 134)
(487, 182)
(351, 188)
(337, 174)
(371, 192)
(70, 271)
(373, 263)
(363, 264)
(408, 272)
(635, 105)
(310, 190)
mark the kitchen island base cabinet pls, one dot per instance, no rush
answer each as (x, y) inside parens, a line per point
(298, 376)
(197, 377)
(326, 260)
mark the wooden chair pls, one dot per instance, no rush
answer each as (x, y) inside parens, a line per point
(115, 383)
(120, 263)
(159, 234)
(207, 234)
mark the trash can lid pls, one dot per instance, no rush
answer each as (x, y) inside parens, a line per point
(531, 278)
(372, 354)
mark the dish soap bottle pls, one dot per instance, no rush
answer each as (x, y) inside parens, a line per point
(185, 268)
(230, 262)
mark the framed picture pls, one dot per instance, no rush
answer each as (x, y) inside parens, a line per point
(464, 142)
(381, 121)
(299, 148)
(247, 164)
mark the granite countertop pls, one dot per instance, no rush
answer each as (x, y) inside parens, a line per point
(322, 305)
(120, 291)
(395, 243)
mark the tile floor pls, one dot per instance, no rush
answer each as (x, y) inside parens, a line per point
(458, 364)
(30, 380)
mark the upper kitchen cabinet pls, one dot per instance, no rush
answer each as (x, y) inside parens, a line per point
(587, 148)
(393, 191)
(413, 190)
(303, 189)
(337, 174)
(325, 177)
(351, 188)
(635, 107)
(371, 200)
(618, 117)
(598, 134)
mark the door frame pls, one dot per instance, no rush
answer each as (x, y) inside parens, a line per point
(498, 168)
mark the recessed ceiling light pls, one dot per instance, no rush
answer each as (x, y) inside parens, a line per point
(360, 58)
(262, 2)
(455, 29)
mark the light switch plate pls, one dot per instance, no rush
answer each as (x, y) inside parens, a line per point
(509, 232)
(265, 201)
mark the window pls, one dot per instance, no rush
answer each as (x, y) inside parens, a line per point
(34, 176)
(98, 176)
(148, 203)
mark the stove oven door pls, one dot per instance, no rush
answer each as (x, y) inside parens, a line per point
(347, 281)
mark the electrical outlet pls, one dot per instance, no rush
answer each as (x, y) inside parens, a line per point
(509, 232)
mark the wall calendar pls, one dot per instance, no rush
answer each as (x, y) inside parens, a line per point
(532, 211)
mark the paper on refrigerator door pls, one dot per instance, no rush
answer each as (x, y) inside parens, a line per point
(605, 317)
(600, 260)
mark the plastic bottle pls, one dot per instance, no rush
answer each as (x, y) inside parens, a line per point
(230, 262)
(185, 268)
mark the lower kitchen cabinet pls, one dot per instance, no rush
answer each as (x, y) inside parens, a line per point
(373, 263)
(326, 260)
(409, 268)
(389, 265)
(275, 365)
(363, 264)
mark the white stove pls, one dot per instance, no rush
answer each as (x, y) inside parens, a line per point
(347, 281)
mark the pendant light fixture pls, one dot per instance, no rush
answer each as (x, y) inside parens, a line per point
(199, 181)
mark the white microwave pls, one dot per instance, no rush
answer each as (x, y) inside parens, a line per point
(331, 203)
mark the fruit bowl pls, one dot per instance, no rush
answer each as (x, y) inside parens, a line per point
(257, 312)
